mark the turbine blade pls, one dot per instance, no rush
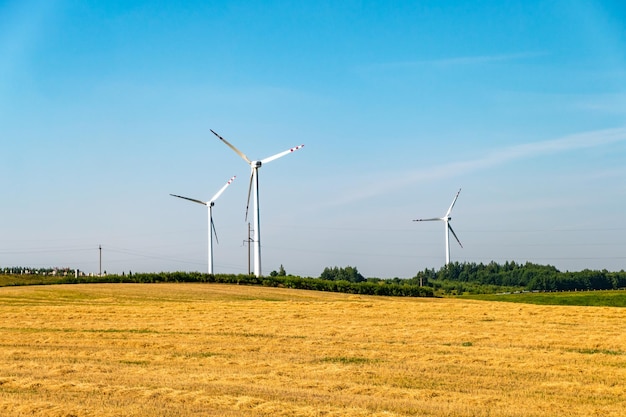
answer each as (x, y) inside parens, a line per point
(190, 199)
(214, 231)
(453, 201)
(219, 193)
(241, 154)
(454, 234)
(249, 191)
(427, 220)
(279, 155)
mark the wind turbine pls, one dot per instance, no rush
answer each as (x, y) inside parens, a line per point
(254, 188)
(209, 205)
(446, 219)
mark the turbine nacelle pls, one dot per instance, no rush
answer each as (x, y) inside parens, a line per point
(256, 164)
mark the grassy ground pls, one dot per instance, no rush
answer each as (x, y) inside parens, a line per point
(219, 350)
(10, 280)
(615, 298)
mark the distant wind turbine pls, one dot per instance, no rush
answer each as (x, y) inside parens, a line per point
(212, 231)
(446, 219)
(254, 186)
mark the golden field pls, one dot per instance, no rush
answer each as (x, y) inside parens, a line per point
(219, 350)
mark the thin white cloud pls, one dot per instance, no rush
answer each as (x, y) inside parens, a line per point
(491, 159)
(607, 103)
(454, 61)
(482, 59)
(529, 150)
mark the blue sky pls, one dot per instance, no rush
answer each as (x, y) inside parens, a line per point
(105, 109)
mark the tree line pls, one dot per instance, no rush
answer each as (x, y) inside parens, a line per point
(492, 277)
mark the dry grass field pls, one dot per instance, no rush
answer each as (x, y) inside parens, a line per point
(216, 350)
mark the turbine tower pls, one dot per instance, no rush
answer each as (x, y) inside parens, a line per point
(254, 189)
(446, 219)
(212, 231)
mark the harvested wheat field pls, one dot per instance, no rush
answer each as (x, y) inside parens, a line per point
(217, 350)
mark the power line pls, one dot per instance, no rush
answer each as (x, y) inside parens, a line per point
(41, 250)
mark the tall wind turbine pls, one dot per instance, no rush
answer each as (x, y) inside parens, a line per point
(254, 189)
(209, 205)
(446, 219)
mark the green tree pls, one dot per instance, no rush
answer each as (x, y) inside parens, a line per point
(281, 272)
(349, 273)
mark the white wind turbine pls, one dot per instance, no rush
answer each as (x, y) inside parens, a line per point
(209, 205)
(254, 183)
(446, 219)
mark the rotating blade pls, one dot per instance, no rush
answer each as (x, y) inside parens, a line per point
(241, 154)
(190, 199)
(454, 234)
(219, 193)
(252, 174)
(214, 231)
(279, 155)
(453, 202)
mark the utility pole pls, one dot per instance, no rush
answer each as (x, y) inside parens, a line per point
(248, 248)
(100, 249)
(248, 243)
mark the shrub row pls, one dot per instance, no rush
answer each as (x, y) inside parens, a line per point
(365, 288)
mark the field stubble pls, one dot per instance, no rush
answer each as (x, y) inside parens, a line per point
(205, 349)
